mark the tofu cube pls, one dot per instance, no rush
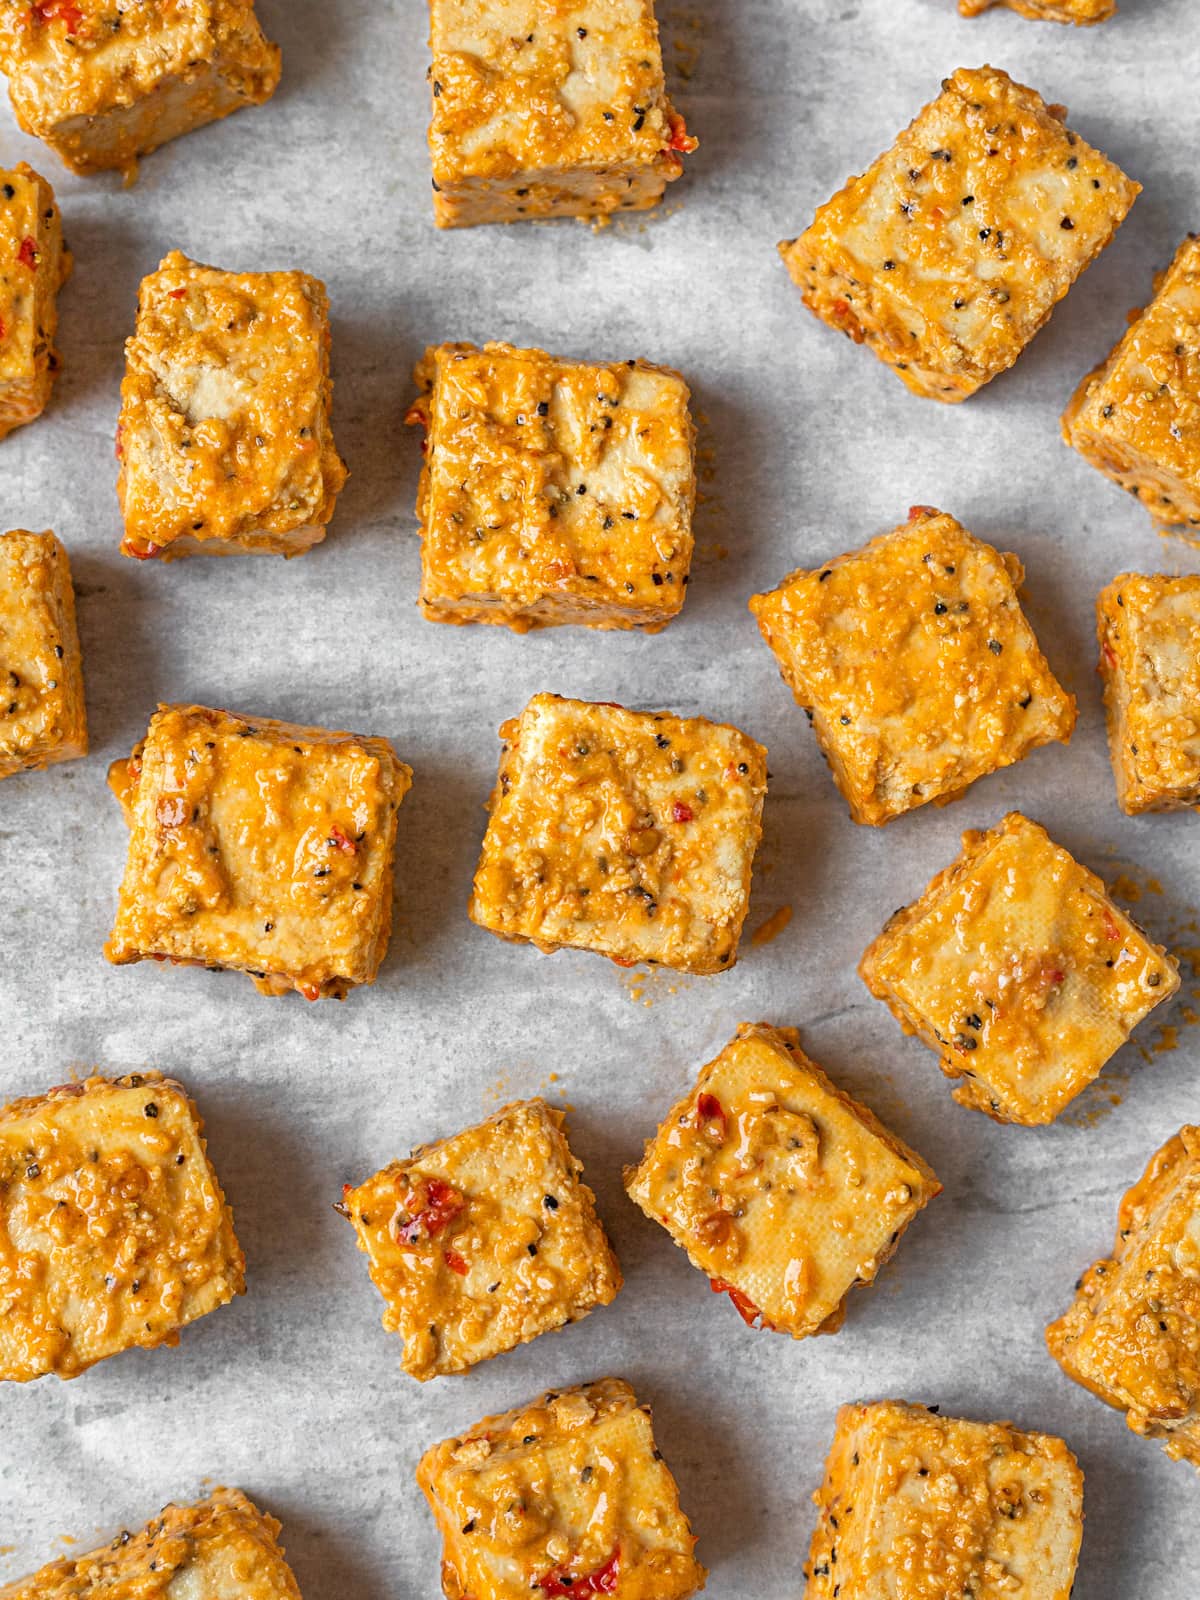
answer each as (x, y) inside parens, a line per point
(259, 846)
(1149, 632)
(630, 833)
(548, 111)
(553, 491)
(223, 1546)
(118, 1231)
(1132, 1335)
(42, 715)
(1019, 971)
(484, 1240)
(1083, 13)
(1136, 417)
(914, 1504)
(949, 253)
(34, 265)
(605, 1508)
(106, 81)
(225, 438)
(915, 665)
(784, 1191)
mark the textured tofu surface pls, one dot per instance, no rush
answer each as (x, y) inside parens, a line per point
(223, 1548)
(113, 1228)
(949, 253)
(1149, 633)
(1019, 971)
(547, 108)
(598, 1509)
(258, 845)
(915, 664)
(482, 1241)
(104, 81)
(225, 438)
(1136, 417)
(1132, 1335)
(553, 491)
(631, 833)
(915, 1506)
(34, 264)
(1083, 13)
(784, 1191)
(42, 714)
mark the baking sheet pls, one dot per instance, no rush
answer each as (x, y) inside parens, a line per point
(808, 448)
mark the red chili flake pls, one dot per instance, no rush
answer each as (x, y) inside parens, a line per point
(603, 1581)
(711, 1113)
(338, 840)
(171, 810)
(682, 812)
(1109, 654)
(65, 11)
(841, 308)
(27, 255)
(680, 139)
(143, 553)
(118, 450)
(455, 1262)
(620, 961)
(921, 511)
(311, 991)
(3, 330)
(417, 415)
(177, 294)
(1111, 931)
(743, 1305)
(430, 1213)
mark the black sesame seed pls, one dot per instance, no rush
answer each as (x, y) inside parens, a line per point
(1067, 224)
(150, 1109)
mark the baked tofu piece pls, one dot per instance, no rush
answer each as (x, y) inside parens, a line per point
(1132, 1335)
(114, 1232)
(1136, 417)
(915, 1505)
(225, 439)
(42, 714)
(630, 833)
(106, 81)
(597, 1510)
(783, 1190)
(223, 1548)
(1083, 13)
(1019, 971)
(34, 265)
(548, 110)
(949, 253)
(914, 662)
(259, 846)
(484, 1240)
(553, 491)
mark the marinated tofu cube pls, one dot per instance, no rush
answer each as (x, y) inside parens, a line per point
(553, 491)
(106, 81)
(949, 253)
(1019, 971)
(915, 664)
(42, 714)
(1083, 13)
(114, 1226)
(34, 265)
(548, 111)
(915, 1505)
(260, 846)
(606, 1517)
(783, 1190)
(225, 438)
(630, 833)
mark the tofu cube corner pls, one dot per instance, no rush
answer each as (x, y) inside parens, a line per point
(915, 665)
(34, 265)
(1081, 13)
(553, 491)
(43, 719)
(949, 253)
(608, 1518)
(1019, 971)
(628, 833)
(260, 846)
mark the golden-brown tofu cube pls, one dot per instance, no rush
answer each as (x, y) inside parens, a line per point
(116, 1230)
(34, 265)
(225, 438)
(604, 1508)
(1019, 971)
(1083, 13)
(1132, 1335)
(1149, 633)
(42, 714)
(949, 253)
(915, 664)
(105, 81)
(783, 1190)
(915, 1505)
(223, 1548)
(1136, 417)
(261, 846)
(631, 833)
(484, 1240)
(548, 111)
(553, 491)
